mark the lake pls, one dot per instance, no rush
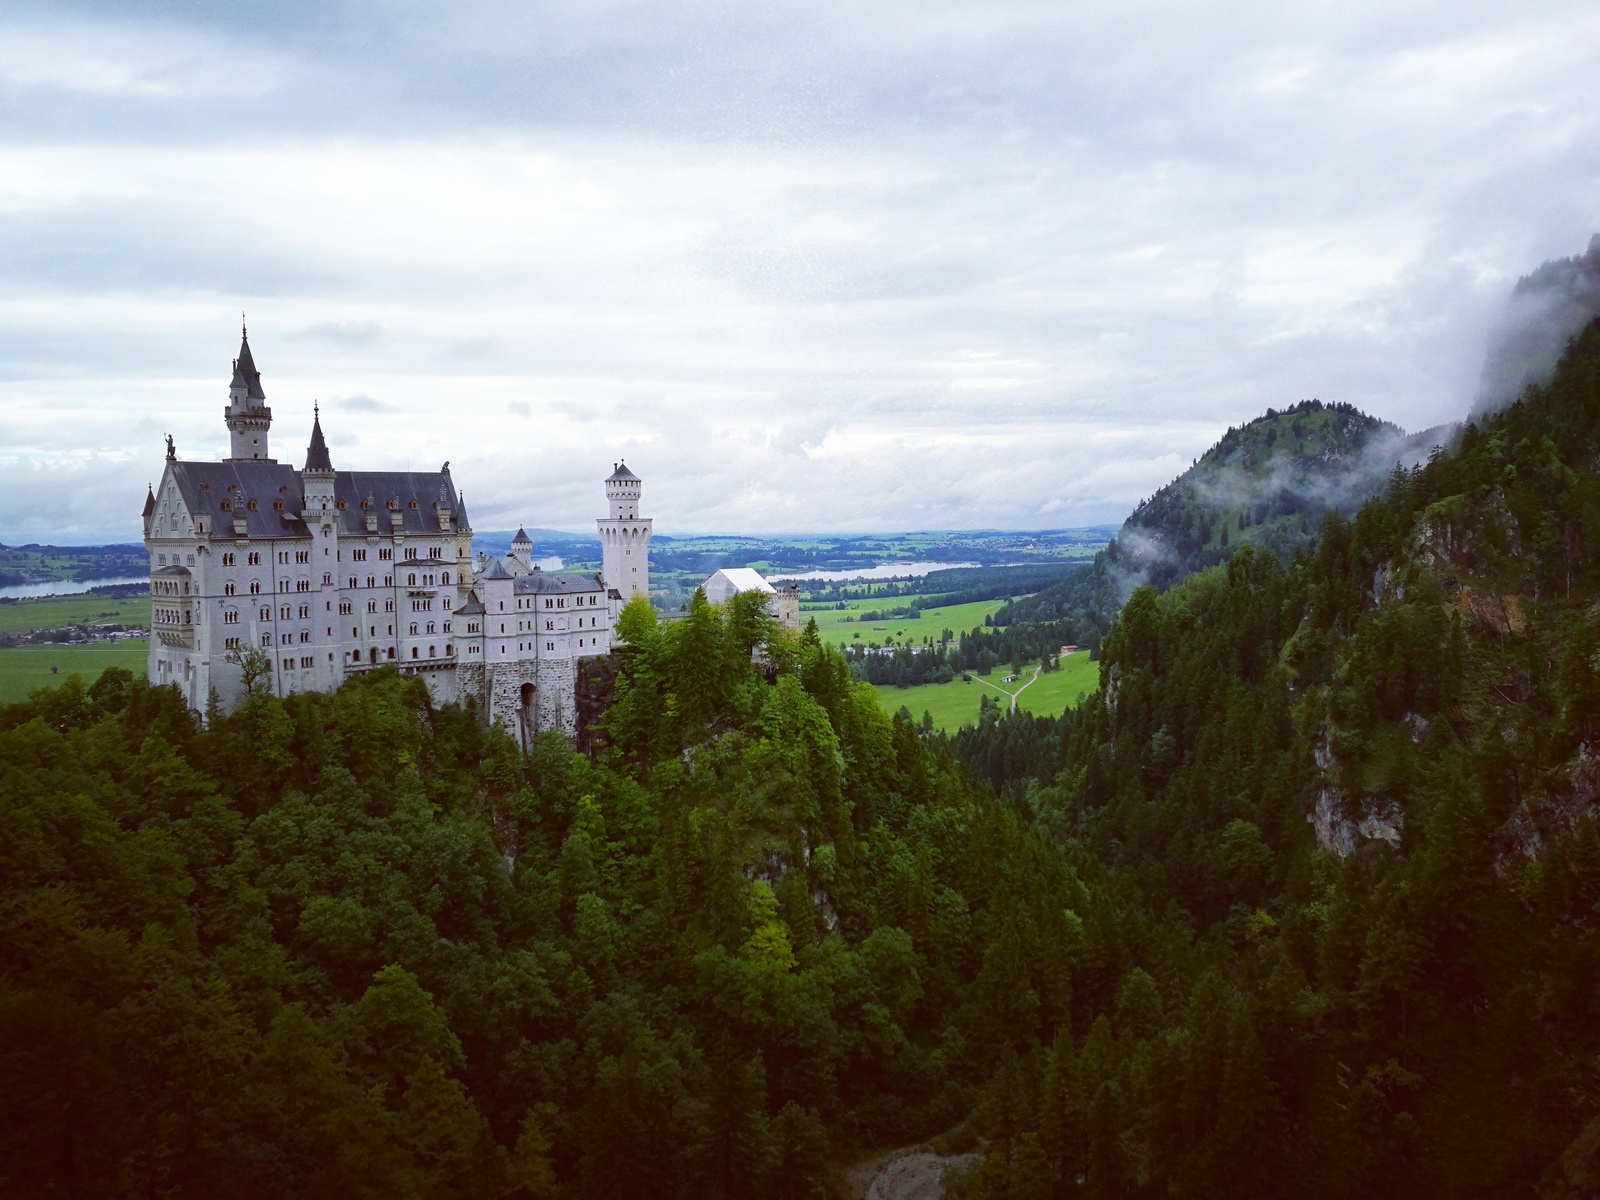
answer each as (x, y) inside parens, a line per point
(63, 587)
(881, 571)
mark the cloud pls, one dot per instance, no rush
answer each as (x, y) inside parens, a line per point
(359, 403)
(830, 267)
(1546, 309)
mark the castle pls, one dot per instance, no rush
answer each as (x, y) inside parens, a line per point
(305, 578)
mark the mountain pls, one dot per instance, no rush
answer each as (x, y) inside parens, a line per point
(1347, 810)
(1266, 484)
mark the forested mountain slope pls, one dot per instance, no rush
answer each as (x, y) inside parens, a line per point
(1265, 484)
(1342, 812)
(353, 945)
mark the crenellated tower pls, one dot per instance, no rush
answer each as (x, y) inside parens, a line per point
(247, 415)
(625, 536)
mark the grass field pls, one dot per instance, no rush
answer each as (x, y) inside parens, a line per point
(958, 618)
(955, 704)
(58, 611)
(26, 668)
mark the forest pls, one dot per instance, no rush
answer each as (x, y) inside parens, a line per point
(1301, 902)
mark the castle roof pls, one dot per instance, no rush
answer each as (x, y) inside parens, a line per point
(495, 570)
(742, 579)
(317, 453)
(149, 501)
(522, 538)
(620, 473)
(245, 374)
(538, 581)
(472, 608)
(205, 487)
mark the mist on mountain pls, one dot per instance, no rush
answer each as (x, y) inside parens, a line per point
(1544, 312)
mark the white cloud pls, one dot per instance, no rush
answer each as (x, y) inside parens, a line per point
(864, 267)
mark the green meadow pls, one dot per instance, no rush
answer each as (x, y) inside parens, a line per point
(954, 704)
(56, 612)
(839, 626)
(25, 668)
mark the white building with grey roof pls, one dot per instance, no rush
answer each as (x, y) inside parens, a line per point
(330, 573)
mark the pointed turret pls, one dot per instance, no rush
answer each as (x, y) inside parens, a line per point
(317, 452)
(149, 501)
(246, 379)
(522, 548)
(461, 514)
(247, 416)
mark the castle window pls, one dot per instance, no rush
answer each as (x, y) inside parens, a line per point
(251, 506)
(341, 506)
(255, 587)
(227, 560)
(231, 617)
(278, 505)
(391, 652)
(446, 604)
(411, 580)
(449, 650)
(445, 578)
(431, 628)
(372, 581)
(227, 588)
(549, 645)
(266, 639)
(413, 652)
(385, 554)
(447, 626)
(413, 628)
(354, 582)
(254, 558)
(413, 506)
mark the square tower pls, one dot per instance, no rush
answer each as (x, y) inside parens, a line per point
(625, 536)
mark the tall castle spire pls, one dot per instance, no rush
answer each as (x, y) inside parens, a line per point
(247, 416)
(317, 452)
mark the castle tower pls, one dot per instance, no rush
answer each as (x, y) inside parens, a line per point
(318, 477)
(247, 416)
(625, 536)
(522, 549)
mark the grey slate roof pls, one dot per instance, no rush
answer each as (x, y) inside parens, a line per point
(522, 538)
(317, 452)
(538, 581)
(149, 502)
(495, 570)
(472, 608)
(244, 370)
(205, 486)
(621, 472)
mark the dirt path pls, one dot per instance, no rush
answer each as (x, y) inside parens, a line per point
(1012, 695)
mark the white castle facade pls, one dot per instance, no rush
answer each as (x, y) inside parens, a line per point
(331, 573)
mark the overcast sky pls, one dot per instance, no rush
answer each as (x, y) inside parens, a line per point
(833, 266)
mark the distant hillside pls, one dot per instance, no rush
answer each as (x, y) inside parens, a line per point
(1266, 483)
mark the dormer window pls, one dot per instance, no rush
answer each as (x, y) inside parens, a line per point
(341, 506)
(252, 506)
(278, 504)
(413, 505)
(227, 506)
